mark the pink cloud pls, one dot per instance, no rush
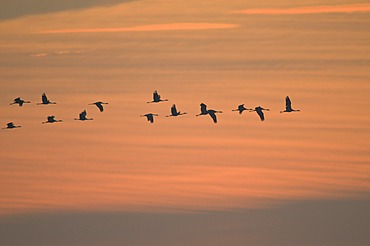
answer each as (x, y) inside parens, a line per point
(308, 10)
(159, 27)
(39, 54)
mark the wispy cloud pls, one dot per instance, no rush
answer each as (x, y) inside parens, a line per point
(351, 8)
(39, 54)
(159, 27)
(60, 53)
(18, 8)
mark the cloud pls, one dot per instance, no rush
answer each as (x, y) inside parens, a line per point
(39, 54)
(60, 53)
(316, 222)
(159, 27)
(18, 8)
(352, 8)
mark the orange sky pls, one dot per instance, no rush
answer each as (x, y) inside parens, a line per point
(309, 10)
(164, 27)
(213, 52)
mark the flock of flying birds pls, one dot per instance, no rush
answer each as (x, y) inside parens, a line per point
(150, 116)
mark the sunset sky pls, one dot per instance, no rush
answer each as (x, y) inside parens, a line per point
(300, 178)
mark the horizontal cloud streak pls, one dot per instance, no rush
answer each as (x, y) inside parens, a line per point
(308, 10)
(159, 27)
(18, 8)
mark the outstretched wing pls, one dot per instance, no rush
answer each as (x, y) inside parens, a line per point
(203, 108)
(100, 106)
(83, 115)
(213, 116)
(241, 108)
(288, 104)
(44, 98)
(51, 118)
(174, 110)
(156, 97)
(150, 118)
(260, 114)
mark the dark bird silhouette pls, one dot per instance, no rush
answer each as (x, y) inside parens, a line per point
(149, 117)
(11, 125)
(260, 113)
(210, 112)
(82, 116)
(51, 119)
(99, 105)
(157, 98)
(19, 101)
(174, 111)
(203, 109)
(288, 106)
(45, 100)
(241, 108)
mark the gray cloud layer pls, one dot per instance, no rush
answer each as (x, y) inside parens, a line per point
(330, 223)
(18, 8)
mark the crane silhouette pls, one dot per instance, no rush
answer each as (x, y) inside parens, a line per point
(210, 112)
(45, 100)
(259, 111)
(149, 117)
(19, 101)
(241, 108)
(157, 98)
(82, 116)
(99, 105)
(174, 111)
(51, 119)
(11, 125)
(288, 106)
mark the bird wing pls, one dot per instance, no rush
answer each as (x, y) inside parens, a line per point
(203, 108)
(260, 114)
(241, 108)
(44, 98)
(173, 110)
(213, 116)
(10, 124)
(288, 104)
(51, 118)
(83, 114)
(156, 97)
(100, 106)
(150, 118)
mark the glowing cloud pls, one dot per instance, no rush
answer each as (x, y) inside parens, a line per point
(39, 54)
(308, 10)
(160, 27)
